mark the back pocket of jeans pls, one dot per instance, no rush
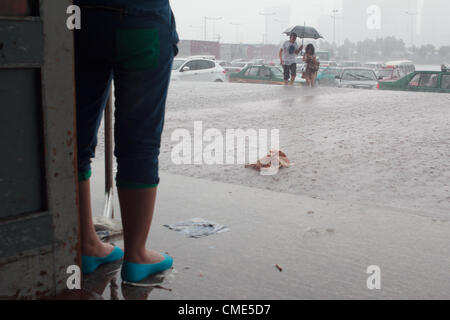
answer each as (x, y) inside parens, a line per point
(137, 49)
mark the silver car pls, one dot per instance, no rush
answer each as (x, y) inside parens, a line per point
(360, 78)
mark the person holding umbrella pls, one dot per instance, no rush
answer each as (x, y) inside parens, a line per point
(305, 32)
(288, 52)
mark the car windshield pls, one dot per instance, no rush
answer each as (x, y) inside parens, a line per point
(177, 63)
(359, 75)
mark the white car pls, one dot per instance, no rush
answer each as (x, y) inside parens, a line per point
(203, 57)
(197, 70)
(358, 78)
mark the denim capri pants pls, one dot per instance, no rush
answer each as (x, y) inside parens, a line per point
(135, 48)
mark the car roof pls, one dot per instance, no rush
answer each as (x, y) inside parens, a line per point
(430, 71)
(198, 58)
(398, 62)
(263, 66)
(356, 68)
(203, 56)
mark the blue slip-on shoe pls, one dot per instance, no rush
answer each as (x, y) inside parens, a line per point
(90, 264)
(133, 272)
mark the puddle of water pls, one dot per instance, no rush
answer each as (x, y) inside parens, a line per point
(197, 228)
(106, 283)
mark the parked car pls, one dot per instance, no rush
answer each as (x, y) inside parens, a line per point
(376, 66)
(256, 61)
(350, 64)
(420, 81)
(327, 76)
(395, 70)
(361, 78)
(262, 74)
(224, 63)
(240, 63)
(207, 57)
(235, 67)
(197, 70)
(328, 64)
(270, 63)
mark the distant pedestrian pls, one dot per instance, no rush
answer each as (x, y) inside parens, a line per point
(288, 53)
(312, 65)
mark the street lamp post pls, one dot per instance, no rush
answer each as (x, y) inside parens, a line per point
(205, 19)
(334, 25)
(412, 15)
(267, 15)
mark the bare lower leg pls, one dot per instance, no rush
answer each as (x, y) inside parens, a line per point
(90, 243)
(313, 80)
(137, 207)
(292, 80)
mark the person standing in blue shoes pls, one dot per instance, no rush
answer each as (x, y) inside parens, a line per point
(132, 42)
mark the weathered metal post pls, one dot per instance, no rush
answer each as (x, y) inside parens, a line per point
(109, 164)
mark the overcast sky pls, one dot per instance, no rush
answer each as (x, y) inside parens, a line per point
(190, 13)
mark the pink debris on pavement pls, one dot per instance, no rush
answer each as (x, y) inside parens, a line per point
(277, 159)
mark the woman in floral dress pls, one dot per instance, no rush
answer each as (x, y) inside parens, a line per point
(312, 66)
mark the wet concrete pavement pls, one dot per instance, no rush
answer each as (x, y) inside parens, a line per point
(380, 199)
(323, 247)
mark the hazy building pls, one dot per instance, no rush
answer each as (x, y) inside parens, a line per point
(435, 25)
(278, 19)
(380, 18)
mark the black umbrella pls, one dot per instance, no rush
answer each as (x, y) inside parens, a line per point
(304, 32)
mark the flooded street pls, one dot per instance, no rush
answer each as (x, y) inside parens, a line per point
(369, 185)
(375, 147)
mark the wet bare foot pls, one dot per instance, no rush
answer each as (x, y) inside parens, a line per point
(98, 249)
(147, 257)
